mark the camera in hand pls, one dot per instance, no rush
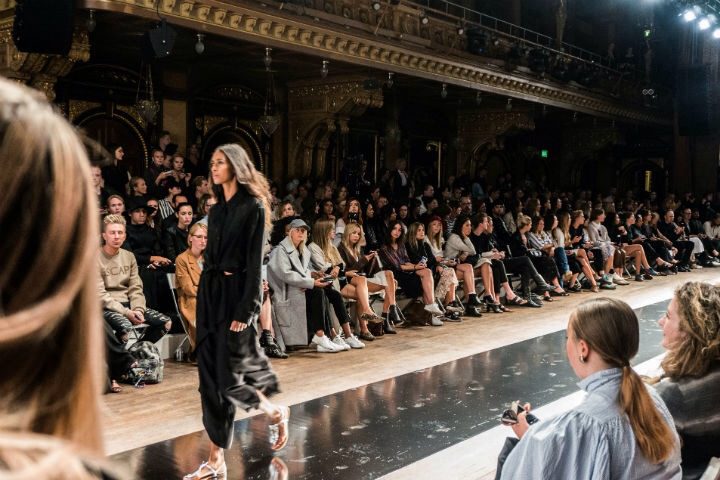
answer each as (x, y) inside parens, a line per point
(510, 416)
(353, 217)
(328, 279)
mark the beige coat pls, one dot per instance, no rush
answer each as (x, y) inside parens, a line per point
(187, 277)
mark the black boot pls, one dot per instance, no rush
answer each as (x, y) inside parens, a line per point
(473, 300)
(388, 324)
(396, 315)
(268, 343)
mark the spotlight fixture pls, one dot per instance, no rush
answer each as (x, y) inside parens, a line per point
(268, 58)
(508, 105)
(324, 69)
(390, 80)
(478, 98)
(443, 91)
(199, 45)
(689, 15)
(424, 19)
(460, 30)
(91, 23)
(704, 23)
(716, 33)
(376, 6)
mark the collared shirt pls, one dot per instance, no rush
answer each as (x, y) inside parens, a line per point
(593, 441)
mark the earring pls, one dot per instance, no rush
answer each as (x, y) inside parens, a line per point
(582, 359)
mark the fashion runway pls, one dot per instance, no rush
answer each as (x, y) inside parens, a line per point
(382, 427)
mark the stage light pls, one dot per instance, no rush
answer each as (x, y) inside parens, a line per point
(376, 6)
(199, 45)
(460, 30)
(704, 24)
(443, 91)
(324, 70)
(390, 80)
(689, 15)
(424, 19)
(716, 33)
(508, 105)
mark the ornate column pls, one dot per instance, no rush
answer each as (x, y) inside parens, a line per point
(315, 108)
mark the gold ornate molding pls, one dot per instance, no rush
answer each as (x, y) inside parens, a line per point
(37, 70)
(258, 24)
(316, 108)
(476, 128)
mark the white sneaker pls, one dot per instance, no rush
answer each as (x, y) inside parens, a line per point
(436, 322)
(340, 341)
(325, 345)
(354, 342)
(618, 280)
(434, 309)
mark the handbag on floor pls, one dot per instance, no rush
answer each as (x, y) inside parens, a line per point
(149, 365)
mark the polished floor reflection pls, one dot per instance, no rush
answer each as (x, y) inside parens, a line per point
(366, 432)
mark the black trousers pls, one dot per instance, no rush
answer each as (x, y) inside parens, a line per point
(685, 248)
(523, 266)
(499, 274)
(316, 311)
(118, 359)
(546, 266)
(338, 304)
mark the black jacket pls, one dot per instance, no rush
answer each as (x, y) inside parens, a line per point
(500, 232)
(143, 242)
(174, 242)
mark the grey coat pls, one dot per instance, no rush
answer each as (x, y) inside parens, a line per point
(289, 277)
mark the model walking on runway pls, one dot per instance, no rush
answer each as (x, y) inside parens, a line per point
(234, 371)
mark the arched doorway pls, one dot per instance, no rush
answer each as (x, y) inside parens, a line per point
(116, 127)
(240, 134)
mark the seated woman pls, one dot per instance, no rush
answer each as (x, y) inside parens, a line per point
(327, 260)
(652, 224)
(691, 372)
(414, 278)
(598, 235)
(484, 244)
(138, 188)
(368, 266)
(188, 268)
(621, 430)
(298, 289)
(544, 264)
(540, 238)
(174, 238)
(373, 228)
(443, 273)
(284, 214)
(435, 238)
(633, 247)
(577, 257)
(655, 251)
(579, 240)
(352, 213)
(459, 246)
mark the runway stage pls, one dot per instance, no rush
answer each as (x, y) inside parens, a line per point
(392, 425)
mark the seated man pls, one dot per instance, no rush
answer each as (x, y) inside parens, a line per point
(121, 289)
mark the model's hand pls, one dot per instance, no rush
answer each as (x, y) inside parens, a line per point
(236, 326)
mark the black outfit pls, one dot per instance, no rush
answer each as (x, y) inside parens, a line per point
(659, 245)
(361, 264)
(651, 253)
(375, 231)
(543, 264)
(174, 241)
(423, 250)
(400, 192)
(151, 174)
(232, 366)
(143, 242)
(116, 178)
(501, 233)
(392, 260)
(597, 260)
(485, 243)
(118, 359)
(684, 247)
(520, 265)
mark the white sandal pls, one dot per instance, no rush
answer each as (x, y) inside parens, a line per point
(275, 428)
(213, 474)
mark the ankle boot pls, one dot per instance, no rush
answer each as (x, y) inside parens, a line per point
(473, 300)
(396, 315)
(388, 325)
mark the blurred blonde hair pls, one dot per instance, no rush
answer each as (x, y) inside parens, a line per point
(50, 321)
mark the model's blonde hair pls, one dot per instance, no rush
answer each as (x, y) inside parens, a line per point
(564, 221)
(698, 305)
(351, 228)
(320, 235)
(50, 321)
(249, 177)
(611, 329)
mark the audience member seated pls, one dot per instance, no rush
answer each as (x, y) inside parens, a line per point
(545, 265)
(205, 203)
(168, 204)
(540, 239)
(446, 281)
(577, 257)
(693, 231)
(481, 238)
(284, 214)
(101, 193)
(415, 279)
(691, 372)
(326, 259)
(351, 214)
(711, 228)
(676, 234)
(655, 251)
(459, 246)
(188, 268)
(174, 239)
(373, 228)
(580, 241)
(298, 289)
(121, 290)
(621, 430)
(116, 175)
(138, 188)
(156, 175)
(368, 266)
(633, 247)
(115, 205)
(178, 172)
(598, 234)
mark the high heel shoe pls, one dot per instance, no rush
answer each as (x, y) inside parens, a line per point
(491, 305)
(211, 473)
(396, 314)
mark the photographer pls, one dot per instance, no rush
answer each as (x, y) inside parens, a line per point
(621, 430)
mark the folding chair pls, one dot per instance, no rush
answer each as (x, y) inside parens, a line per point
(173, 291)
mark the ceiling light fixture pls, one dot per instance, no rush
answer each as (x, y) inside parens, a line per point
(199, 45)
(324, 70)
(267, 61)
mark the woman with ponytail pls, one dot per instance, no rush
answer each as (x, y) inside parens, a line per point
(690, 383)
(621, 430)
(51, 333)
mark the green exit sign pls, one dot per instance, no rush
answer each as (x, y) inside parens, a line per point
(544, 153)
